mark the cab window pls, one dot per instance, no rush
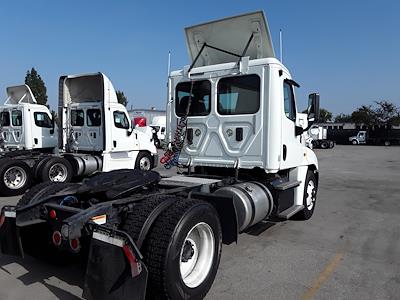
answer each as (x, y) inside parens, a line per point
(77, 117)
(5, 118)
(16, 117)
(289, 104)
(93, 117)
(42, 119)
(239, 95)
(120, 120)
(199, 94)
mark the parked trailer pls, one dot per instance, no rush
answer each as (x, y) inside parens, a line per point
(95, 135)
(153, 237)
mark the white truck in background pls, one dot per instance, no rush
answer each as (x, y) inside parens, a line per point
(24, 124)
(159, 124)
(318, 135)
(95, 135)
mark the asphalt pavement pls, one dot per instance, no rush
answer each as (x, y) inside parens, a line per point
(350, 249)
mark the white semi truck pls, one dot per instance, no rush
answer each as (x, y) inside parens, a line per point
(24, 124)
(318, 135)
(95, 135)
(232, 122)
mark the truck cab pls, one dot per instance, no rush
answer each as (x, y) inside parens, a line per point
(360, 138)
(26, 125)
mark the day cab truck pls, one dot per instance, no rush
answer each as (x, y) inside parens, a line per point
(318, 134)
(382, 135)
(232, 124)
(24, 124)
(95, 135)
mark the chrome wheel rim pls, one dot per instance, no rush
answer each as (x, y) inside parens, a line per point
(58, 172)
(310, 200)
(15, 178)
(197, 254)
(145, 163)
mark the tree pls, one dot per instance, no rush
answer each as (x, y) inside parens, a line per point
(364, 115)
(386, 113)
(35, 82)
(324, 115)
(343, 118)
(122, 98)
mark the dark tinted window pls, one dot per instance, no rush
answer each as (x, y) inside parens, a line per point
(16, 117)
(120, 120)
(288, 97)
(42, 119)
(199, 92)
(5, 118)
(93, 117)
(239, 95)
(77, 117)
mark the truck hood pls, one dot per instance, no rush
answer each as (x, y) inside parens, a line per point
(20, 94)
(230, 34)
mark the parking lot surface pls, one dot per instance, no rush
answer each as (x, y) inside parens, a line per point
(350, 249)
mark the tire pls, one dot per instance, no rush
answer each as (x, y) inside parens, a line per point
(354, 142)
(170, 245)
(387, 143)
(15, 177)
(309, 203)
(331, 144)
(144, 161)
(56, 169)
(324, 145)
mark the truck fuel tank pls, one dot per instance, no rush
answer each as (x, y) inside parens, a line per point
(253, 202)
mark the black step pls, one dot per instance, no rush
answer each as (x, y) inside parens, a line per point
(282, 186)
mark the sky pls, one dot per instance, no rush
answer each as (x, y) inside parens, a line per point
(348, 51)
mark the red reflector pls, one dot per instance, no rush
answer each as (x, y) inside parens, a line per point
(56, 238)
(136, 268)
(75, 245)
(53, 214)
(2, 219)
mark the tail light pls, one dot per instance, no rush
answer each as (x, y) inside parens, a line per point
(52, 214)
(56, 238)
(75, 245)
(136, 267)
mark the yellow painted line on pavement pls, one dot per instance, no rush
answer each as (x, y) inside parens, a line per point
(323, 276)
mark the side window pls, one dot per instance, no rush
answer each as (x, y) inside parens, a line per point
(5, 118)
(289, 104)
(77, 117)
(200, 94)
(93, 117)
(239, 95)
(16, 117)
(120, 120)
(42, 119)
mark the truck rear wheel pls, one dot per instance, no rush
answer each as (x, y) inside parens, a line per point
(309, 197)
(56, 169)
(143, 161)
(15, 177)
(182, 251)
(324, 145)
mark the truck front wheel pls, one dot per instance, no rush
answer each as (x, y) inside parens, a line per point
(309, 197)
(354, 142)
(15, 177)
(183, 250)
(144, 161)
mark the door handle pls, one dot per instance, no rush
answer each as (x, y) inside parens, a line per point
(115, 144)
(284, 152)
(189, 136)
(239, 134)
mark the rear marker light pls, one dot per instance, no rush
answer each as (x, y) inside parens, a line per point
(2, 219)
(53, 214)
(57, 238)
(136, 267)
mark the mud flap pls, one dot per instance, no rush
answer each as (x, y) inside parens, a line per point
(115, 269)
(10, 240)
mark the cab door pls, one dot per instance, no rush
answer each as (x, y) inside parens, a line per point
(120, 139)
(292, 150)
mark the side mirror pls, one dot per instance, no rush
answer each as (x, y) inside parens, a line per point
(52, 126)
(298, 130)
(129, 131)
(313, 108)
